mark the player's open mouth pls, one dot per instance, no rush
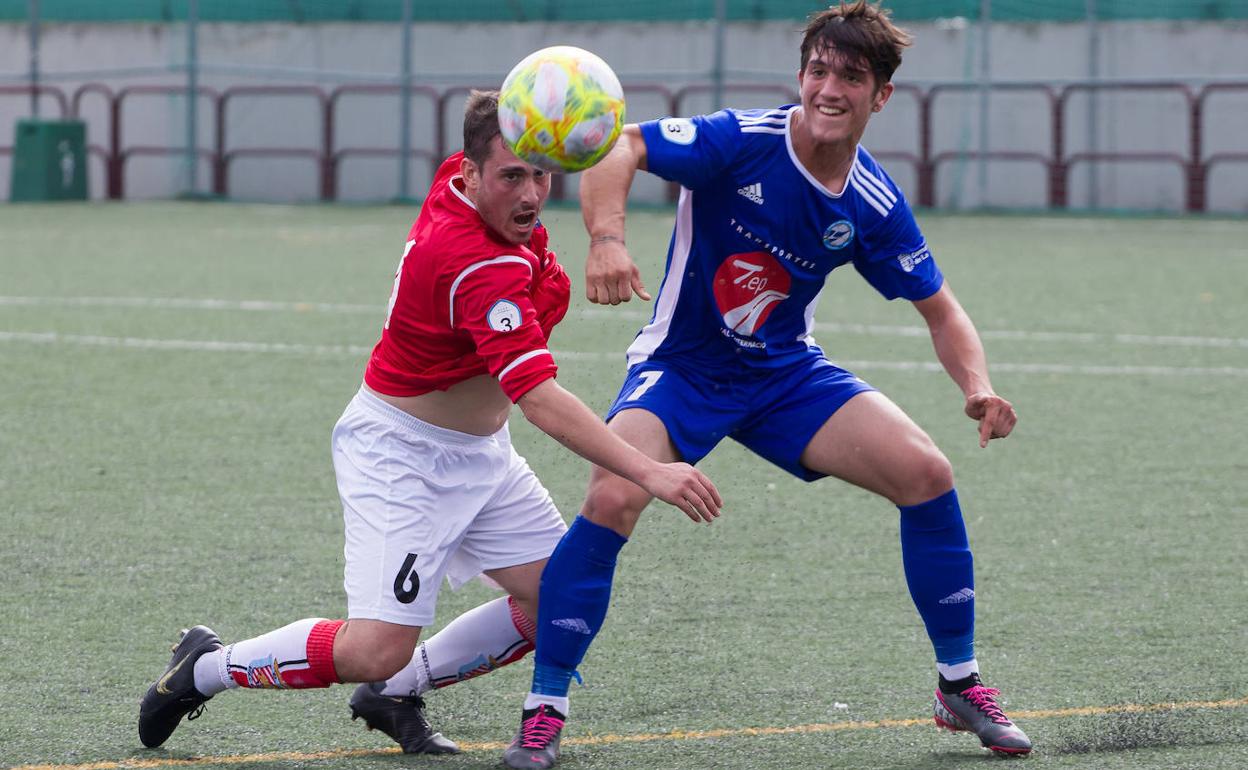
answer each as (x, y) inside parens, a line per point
(526, 219)
(832, 111)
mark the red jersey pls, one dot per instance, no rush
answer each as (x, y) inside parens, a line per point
(466, 303)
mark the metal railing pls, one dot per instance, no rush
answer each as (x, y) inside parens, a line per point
(1058, 163)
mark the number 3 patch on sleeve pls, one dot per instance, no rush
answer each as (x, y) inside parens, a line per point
(678, 130)
(504, 316)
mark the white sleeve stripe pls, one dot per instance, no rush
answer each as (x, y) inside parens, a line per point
(856, 173)
(780, 118)
(861, 180)
(463, 274)
(768, 115)
(762, 130)
(874, 181)
(521, 359)
(867, 196)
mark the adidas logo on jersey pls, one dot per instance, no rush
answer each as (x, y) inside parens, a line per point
(752, 191)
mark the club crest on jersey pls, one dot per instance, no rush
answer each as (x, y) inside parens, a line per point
(678, 130)
(838, 235)
(504, 316)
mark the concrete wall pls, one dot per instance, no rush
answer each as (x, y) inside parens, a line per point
(671, 54)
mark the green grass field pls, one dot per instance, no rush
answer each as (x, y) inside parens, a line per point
(164, 461)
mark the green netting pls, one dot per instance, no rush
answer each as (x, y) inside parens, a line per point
(602, 10)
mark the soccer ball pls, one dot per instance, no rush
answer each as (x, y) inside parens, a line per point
(561, 109)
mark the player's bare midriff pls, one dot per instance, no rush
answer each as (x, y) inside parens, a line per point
(477, 406)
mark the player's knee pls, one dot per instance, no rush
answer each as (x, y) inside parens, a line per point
(524, 597)
(381, 664)
(926, 479)
(615, 503)
(370, 651)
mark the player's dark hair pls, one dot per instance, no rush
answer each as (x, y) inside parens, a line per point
(480, 125)
(860, 31)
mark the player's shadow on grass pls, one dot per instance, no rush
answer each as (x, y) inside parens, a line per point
(1148, 730)
(1111, 733)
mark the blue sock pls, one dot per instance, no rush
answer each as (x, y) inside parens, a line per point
(940, 574)
(576, 589)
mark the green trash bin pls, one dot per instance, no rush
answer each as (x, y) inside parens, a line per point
(49, 161)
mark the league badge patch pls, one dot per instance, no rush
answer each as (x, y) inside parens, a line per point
(909, 261)
(504, 316)
(678, 130)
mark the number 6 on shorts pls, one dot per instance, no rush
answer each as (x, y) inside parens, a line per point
(407, 575)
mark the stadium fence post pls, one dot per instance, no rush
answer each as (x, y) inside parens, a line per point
(191, 159)
(405, 102)
(32, 11)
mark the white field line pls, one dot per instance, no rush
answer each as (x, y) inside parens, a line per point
(875, 330)
(880, 330)
(208, 346)
(178, 303)
(222, 346)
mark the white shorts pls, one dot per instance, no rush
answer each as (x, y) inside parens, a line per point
(420, 503)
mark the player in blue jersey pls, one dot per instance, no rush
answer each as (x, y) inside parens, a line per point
(771, 202)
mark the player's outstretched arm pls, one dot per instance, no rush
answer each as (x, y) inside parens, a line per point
(565, 418)
(611, 276)
(962, 354)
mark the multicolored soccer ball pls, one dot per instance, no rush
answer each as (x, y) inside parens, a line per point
(561, 109)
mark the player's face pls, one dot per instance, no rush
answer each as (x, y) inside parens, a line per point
(508, 193)
(839, 94)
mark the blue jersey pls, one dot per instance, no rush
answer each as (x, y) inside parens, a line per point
(756, 236)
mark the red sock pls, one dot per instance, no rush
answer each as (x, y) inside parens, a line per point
(321, 669)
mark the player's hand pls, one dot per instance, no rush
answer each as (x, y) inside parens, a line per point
(611, 276)
(996, 416)
(685, 487)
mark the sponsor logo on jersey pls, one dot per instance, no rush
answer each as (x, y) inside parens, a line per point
(908, 261)
(678, 130)
(775, 250)
(753, 192)
(573, 624)
(504, 316)
(747, 288)
(838, 235)
(959, 597)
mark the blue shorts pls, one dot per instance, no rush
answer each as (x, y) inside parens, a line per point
(772, 412)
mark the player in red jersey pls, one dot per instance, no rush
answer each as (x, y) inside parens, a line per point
(430, 484)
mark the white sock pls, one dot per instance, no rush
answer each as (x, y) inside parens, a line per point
(475, 643)
(210, 676)
(958, 670)
(534, 700)
(296, 656)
